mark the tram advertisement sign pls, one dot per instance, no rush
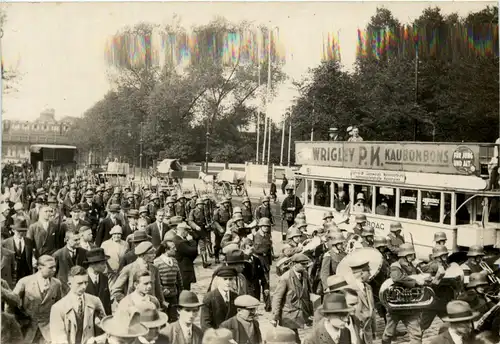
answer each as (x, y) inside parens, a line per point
(409, 157)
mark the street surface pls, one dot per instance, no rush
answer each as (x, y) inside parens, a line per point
(204, 276)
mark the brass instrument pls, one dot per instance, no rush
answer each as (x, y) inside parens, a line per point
(485, 322)
(400, 298)
(491, 275)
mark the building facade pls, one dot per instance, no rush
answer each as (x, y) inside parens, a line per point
(18, 135)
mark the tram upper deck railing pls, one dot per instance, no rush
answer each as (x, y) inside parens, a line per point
(455, 158)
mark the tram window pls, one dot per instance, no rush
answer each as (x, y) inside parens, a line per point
(322, 193)
(494, 209)
(341, 196)
(408, 204)
(463, 215)
(447, 209)
(309, 190)
(385, 201)
(431, 208)
(363, 194)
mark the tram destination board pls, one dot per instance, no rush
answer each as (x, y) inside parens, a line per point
(442, 158)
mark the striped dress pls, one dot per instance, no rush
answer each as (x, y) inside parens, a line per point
(170, 275)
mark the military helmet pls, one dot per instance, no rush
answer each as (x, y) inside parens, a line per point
(439, 236)
(264, 221)
(327, 215)
(293, 232)
(336, 238)
(199, 201)
(395, 226)
(475, 251)
(380, 241)
(265, 199)
(477, 279)
(439, 250)
(367, 231)
(236, 210)
(237, 217)
(300, 223)
(300, 216)
(169, 200)
(360, 218)
(405, 250)
(245, 199)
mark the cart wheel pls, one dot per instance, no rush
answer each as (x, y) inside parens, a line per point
(240, 190)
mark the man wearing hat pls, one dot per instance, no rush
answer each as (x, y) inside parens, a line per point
(244, 325)
(368, 235)
(131, 225)
(395, 237)
(187, 251)
(143, 213)
(199, 223)
(475, 257)
(291, 206)
(246, 210)
(115, 248)
(170, 207)
(98, 284)
(218, 304)
(126, 281)
(105, 226)
(154, 320)
(355, 136)
(360, 206)
(133, 240)
(333, 328)
(294, 240)
(220, 219)
(440, 238)
(332, 257)
(335, 283)
(291, 302)
(181, 208)
(264, 210)
(360, 267)
(476, 293)
(123, 327)
(22, 248)
(460, 319)
(74, 223)
(400, 273)
(93, 213)
(184, 330)
(263, 251)
(333, 134)
(236, 259)
(129, 201)
(73, 318)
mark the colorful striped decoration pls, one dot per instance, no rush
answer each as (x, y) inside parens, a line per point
(446, 41)
(331, 47)
(228, 48)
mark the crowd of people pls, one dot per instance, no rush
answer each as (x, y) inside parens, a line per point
(85, 263)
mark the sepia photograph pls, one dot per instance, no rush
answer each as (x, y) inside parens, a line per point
(230, 172)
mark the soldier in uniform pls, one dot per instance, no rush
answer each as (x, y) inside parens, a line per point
(291, 206)
(263, 250)
(360, 223)
(99, 200)
(264, 210)
(129, 201)
(395, 237)
(381, 244)
(368, 235)
(191, 204)
(236, 210)
(474, 259)
(475, 293)
(246, 210)
(170, 207)
(181, 208)
(143, 214)
(293, 244)
(332, 258)
(198, 222)
(221, 217)
(400, 272)
(327, 218)
(437, 269)
(440, 238)
(93, 212)
(154, 205)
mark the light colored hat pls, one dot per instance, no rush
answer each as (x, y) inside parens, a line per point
(143, 247)
(246, 301)
(116, 230)
(124, 324)
(150, 316)
(18, 206)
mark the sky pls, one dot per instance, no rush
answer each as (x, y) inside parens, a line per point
(58, 48)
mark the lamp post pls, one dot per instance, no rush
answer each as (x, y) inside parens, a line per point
(206, 149)
(289, 138)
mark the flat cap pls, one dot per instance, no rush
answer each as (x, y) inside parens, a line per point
(226, 271)
(143, 247)
(246, 301)
(133, 213)
(300, 258)
(114, 208)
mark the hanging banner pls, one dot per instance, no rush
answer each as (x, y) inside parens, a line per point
(409, 157)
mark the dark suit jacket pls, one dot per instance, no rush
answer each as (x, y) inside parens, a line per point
(104, 229)
(67, 205)
(240, 334)
(187, 251)
(154, 231)
(174, 335)
(319, 335)
(128, 258)
(101, 291)
(64, 263)
(45, 242)
(8, 267)
(214, 310)
(69, 225)
(25, 267)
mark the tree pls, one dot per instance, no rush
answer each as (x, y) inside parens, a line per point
(10, 75)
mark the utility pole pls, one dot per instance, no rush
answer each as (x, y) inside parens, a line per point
(289, 138)
(269, 143)
(258, 110)
(282, 140)
(206, 149)
(416, 88)
(141, 141)
(268, 96)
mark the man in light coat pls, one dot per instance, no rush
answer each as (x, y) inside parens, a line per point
(73, 318)
(38, 293)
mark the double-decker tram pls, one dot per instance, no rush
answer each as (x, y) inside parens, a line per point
(427, 187)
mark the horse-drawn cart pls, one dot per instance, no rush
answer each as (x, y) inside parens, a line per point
(228, 181)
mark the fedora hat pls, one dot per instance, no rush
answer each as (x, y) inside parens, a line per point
(124, 324)
(95, 255)
(458, 311)
(334, 303)
(140, 236)
(188, 299)
(20, 224)
(114, 208)
(235, 257)
(150, 316)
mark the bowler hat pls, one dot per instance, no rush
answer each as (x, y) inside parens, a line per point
(95, 255)
(459, 311)
(188, 299)
(175, 220)
(334, 303)
(140, 236)
(124, 324)
(150, 316)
